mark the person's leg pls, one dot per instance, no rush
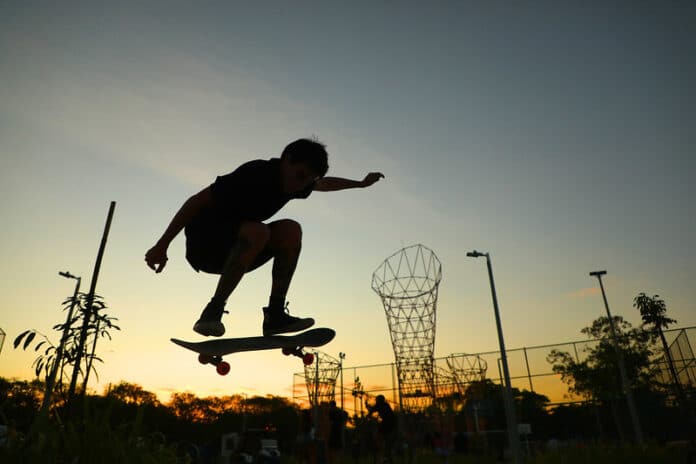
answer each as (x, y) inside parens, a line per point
(284, 246)
(251, 239)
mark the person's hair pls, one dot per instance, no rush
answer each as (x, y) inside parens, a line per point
(310, 152)
(380, 399)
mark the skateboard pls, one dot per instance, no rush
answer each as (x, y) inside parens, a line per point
(212, 351)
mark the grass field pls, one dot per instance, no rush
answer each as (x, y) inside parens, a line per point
(652, 454)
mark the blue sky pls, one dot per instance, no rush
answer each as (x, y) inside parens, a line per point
(557, 137)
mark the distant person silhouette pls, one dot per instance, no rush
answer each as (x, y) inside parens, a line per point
(226, 233)
(337, 424)
(387, 425)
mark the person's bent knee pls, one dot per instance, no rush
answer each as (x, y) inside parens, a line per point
(256, 233)
(289, 230)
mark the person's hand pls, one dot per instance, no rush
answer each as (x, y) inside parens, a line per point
(156, 258)
(371, 178)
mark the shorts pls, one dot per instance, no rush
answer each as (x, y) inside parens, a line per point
(207, 250)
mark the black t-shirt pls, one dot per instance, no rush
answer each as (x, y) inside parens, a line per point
(252, 192)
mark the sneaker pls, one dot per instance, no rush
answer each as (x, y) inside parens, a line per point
(209, 324)
(279, 320)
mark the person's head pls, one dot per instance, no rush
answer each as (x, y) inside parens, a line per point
(301, 163)
(380, 399)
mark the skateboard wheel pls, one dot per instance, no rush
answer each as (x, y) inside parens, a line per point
(287, 351)
(223, 368)
(308, 359)
(204, 358)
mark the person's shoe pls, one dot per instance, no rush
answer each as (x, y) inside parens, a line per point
(278, 320)
(209, 324)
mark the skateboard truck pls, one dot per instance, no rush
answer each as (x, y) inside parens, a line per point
(222, 367)
(307, 358)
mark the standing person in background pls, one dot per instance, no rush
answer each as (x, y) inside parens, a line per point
(387, 425)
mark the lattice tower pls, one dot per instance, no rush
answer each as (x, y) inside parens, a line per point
(465, 369)
(448, 397)
(408, 282)
(321, 378)
(445, 384)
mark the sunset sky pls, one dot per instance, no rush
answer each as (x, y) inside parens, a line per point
(557, 136)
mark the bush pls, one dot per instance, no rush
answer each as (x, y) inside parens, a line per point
(91, 440)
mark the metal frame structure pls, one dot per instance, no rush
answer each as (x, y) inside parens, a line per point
(465, 369)
(320, 378)
(408, 283)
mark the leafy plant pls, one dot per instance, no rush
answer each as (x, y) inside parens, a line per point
(51, 356)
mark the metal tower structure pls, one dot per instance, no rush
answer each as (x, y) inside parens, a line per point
(408, 282)
(320, 378)
(465, 369)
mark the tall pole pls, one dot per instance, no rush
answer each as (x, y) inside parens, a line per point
(88, 304)
(316, 394)
(341, 356)
(513, 436)
(628, 393)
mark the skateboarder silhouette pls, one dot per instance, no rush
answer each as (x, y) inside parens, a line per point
(226, 233)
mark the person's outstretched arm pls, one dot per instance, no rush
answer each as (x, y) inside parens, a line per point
(331, 184)
(156, 257)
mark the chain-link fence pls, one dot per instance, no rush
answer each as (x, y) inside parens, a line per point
(530, 370)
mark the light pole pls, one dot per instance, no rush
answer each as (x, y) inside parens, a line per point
(341, 356)
(513, 436)
(61, 346)
(622, 367)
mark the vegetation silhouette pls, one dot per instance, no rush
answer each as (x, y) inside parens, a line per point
(86, 316)
(128, 423)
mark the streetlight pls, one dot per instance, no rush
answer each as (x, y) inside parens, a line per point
(61, 346)
(513, 436)
(341, 356)
(622, 367)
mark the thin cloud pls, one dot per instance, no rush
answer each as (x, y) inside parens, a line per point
(584, 292)
(178, 116)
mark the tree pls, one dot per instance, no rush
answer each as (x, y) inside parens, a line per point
(487, 398)
(19, 401)
(596, 377)
(653, 312)
(131, 393)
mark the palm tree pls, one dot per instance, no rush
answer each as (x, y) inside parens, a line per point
(653, 312)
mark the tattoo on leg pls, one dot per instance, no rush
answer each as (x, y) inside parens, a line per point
(234, 269)
(284, 266)
(234, 261)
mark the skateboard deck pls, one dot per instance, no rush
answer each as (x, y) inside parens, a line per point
(212, 351)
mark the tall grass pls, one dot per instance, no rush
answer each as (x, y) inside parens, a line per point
(92, 439)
